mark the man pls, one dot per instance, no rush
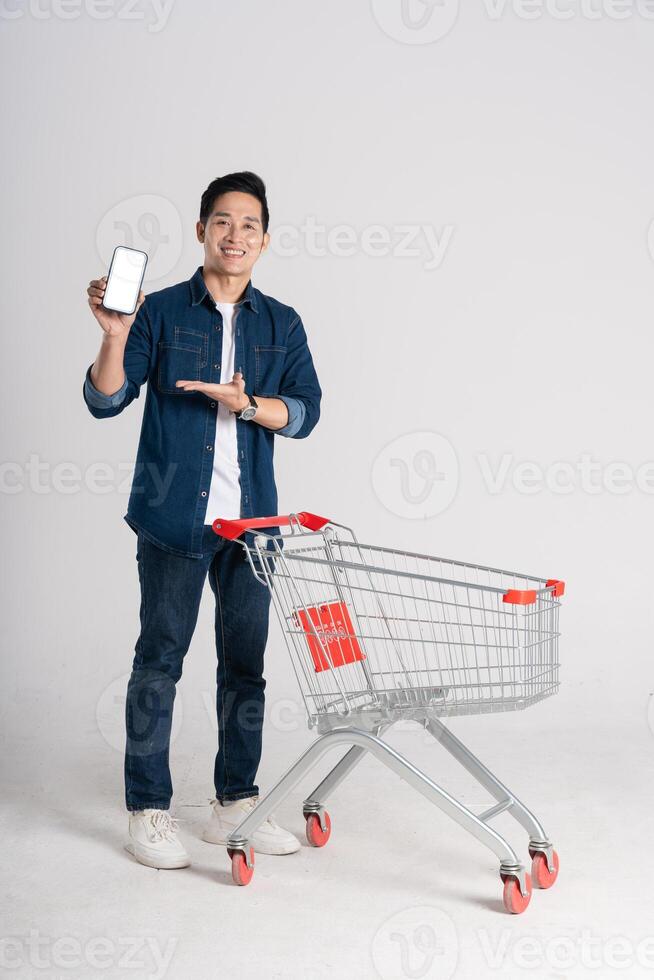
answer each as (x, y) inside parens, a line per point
(210, 349)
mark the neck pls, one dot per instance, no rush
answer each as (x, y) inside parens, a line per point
(224, 288)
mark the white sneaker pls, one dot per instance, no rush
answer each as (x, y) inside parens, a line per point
(154, 841)
(270, 838)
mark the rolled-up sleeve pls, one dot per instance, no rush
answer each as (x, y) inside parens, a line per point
(97, 398)
(296, 416)
(299, 384)
(139, 355)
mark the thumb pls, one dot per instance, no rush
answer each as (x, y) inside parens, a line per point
(237, 376)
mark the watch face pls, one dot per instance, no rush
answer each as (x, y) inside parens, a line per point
(248, 413)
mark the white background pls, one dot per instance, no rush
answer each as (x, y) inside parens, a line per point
(527, 143)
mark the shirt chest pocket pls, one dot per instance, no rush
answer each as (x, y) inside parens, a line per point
(178, 362)
(269, 362)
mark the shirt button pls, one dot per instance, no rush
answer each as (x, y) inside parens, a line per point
(209, 448)
(217, 367)
(213, 404)
(204, 493)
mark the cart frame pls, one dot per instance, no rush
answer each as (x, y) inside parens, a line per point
(360, 727)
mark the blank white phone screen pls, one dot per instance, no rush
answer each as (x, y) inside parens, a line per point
(125, 279)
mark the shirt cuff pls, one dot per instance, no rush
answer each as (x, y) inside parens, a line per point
(296, 413)
(99, 400)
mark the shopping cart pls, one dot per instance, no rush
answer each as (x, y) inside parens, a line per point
(378, 636)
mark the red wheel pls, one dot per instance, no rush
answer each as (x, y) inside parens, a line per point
(241, 874)
(316, 836)
(540, 873)
(514, 901)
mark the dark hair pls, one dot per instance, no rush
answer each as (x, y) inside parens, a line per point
(246, 182)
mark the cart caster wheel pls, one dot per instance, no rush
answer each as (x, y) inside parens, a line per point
(241, 874)
(316, 836)
(540, 873)
(514, 901)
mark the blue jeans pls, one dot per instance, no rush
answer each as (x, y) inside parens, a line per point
(171, 589)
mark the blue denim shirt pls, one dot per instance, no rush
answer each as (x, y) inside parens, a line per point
(177, 334)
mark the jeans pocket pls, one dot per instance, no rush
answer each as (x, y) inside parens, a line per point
(177, 362)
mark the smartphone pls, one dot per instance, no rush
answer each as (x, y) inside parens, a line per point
(124, 279)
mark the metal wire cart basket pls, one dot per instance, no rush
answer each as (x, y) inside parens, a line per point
(377, 635)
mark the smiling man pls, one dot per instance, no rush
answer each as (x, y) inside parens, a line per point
(227, 369)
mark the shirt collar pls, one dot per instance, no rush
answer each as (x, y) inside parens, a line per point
(199, 291)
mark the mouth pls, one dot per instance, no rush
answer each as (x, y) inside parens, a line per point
(232, 253)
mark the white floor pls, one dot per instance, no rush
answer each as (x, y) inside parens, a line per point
(398, 893)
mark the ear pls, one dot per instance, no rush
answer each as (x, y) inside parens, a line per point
(199, 231)
(265, 243)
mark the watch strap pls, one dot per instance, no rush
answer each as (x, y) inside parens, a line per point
(253, 404)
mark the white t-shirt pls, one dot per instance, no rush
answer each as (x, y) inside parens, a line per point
(225, 489)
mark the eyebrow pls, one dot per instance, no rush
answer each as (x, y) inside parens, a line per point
(228, 214)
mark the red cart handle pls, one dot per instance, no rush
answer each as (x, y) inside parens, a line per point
(234, 529)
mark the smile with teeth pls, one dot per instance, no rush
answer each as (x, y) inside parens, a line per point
(237, 252)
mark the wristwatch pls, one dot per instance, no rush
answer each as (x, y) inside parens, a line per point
(249, 411)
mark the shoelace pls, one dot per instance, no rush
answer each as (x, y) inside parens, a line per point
(164, 827)
(249, 804)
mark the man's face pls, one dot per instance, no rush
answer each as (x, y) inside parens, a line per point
(233, 236)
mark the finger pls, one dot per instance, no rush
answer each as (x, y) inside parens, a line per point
(95, 291)
(191, 385)
(95, 301)
(238, 376)
(219, 389)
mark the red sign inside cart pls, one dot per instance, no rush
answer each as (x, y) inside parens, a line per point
(330, 635)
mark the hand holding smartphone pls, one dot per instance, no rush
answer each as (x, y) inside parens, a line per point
(116, 297)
